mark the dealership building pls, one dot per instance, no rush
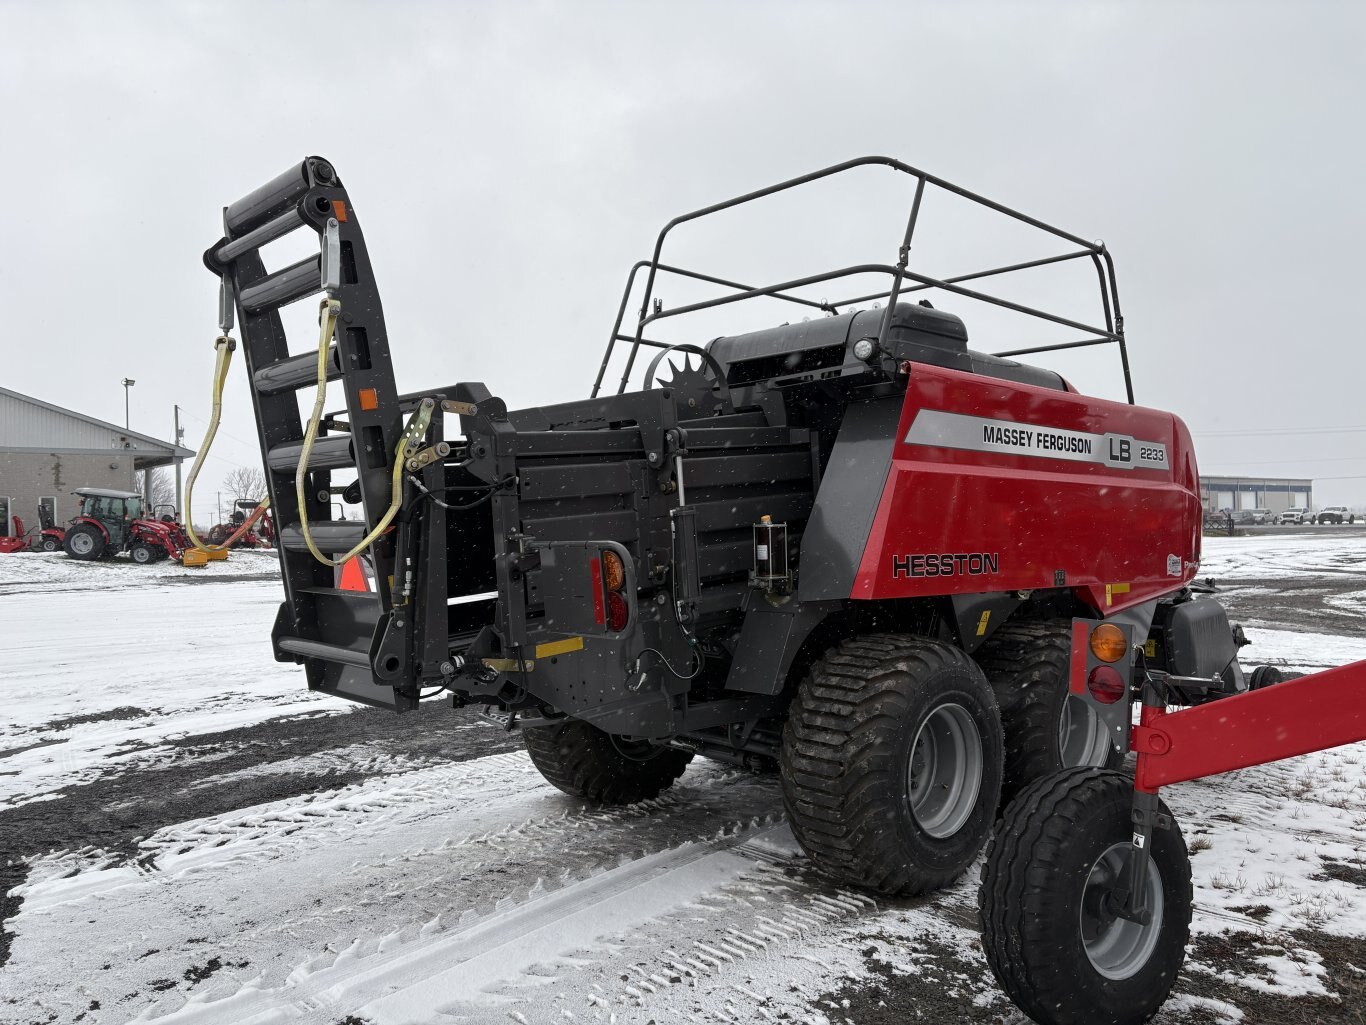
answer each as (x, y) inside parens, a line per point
(46, 452)
(1274, 493)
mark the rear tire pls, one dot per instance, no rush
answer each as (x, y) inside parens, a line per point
(583, 761)
(891, 763)
(1047, 728)
(85, 543)
(1051, 943)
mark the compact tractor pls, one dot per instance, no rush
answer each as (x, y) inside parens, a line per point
(112, 521)
(918, 579)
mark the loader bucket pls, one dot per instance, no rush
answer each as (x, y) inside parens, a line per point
(196, 557)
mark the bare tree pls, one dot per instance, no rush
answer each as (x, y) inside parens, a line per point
(245, 482)
(157, 486)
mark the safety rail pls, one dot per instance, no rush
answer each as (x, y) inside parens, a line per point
(900, 273)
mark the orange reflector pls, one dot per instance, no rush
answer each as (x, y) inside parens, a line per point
(339, 209)
(613, 571)
(1108, 643)
(369, 399)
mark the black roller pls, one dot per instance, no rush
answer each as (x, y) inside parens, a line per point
(295, 372)
(276, 195)
(284, 287)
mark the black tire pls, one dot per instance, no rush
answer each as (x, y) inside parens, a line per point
(849, 781)
(1046, 729)
(583, 761)
(50, 544)
(1040, 890)
(142, 554)
(85, 543)
(1263, 676)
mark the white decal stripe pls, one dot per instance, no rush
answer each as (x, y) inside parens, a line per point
(942, 429)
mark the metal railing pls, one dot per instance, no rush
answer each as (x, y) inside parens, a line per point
(899, 272)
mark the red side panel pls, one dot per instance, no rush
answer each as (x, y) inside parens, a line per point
(996, 486)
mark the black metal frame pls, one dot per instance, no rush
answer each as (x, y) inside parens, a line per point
(1112, 333)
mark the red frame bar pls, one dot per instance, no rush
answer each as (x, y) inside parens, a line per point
(1313, 713)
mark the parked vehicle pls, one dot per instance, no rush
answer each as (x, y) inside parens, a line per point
(912, 576)
(1336, 514)
(112, 521)
(1296, 516)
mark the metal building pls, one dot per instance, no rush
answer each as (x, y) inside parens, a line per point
(47, 451)
(1274, 493)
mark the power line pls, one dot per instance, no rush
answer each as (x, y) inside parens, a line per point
(1274, 431)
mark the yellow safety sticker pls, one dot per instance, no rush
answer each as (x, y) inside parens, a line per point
(1113, 589)
(982, 623)
(1150, 648)
(563, 647)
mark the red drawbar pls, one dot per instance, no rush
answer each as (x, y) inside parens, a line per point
(1312, 713)
(595, 572)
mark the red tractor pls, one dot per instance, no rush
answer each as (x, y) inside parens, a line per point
(48, 538)
(259, 533)
(112, 521)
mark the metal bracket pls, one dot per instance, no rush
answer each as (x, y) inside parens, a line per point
(429, 455)
(331, 258)
(417, 426)
(461, 408)
(226, 304)
(510, 665)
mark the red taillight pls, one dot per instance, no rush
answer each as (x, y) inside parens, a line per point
(595, 573)
(617, 612)
(1105, 685)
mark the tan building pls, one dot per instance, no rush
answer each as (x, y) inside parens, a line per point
(46, 452)
(1276, 494)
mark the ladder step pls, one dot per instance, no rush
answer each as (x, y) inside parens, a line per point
(284, 286)
(332, 453)
(331, 536)
(268, 232)
(327, 652)
(295, 372)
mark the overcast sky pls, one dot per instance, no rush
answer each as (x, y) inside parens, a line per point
(509, 162)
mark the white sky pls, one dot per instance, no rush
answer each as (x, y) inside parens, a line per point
(509, 162)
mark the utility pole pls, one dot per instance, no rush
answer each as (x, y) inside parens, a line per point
(179, 440)
(128, 382)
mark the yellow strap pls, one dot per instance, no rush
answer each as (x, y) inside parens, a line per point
(224, 345)
(328, 313)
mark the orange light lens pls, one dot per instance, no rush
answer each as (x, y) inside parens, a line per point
(339, 209)
(613, 571)
(369, 399)
(1108, 643)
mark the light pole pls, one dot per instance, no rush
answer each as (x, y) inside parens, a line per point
(179, 439)
(128, 382)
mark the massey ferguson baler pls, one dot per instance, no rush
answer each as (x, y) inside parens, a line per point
(917, 578)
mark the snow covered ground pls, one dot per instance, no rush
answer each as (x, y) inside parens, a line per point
(230, 848)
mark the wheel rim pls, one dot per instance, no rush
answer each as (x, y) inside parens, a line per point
(635, 750)
(82, 543)
(1082, 737)
(944, 775)
(142, 555)
(1116, 947)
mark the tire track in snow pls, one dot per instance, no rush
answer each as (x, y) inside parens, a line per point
(409, 981)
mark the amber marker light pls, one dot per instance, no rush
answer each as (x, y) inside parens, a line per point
(1108, 643)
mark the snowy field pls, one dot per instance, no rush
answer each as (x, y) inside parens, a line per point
(188, 835)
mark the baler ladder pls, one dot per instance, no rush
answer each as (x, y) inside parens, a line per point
(357, 644)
